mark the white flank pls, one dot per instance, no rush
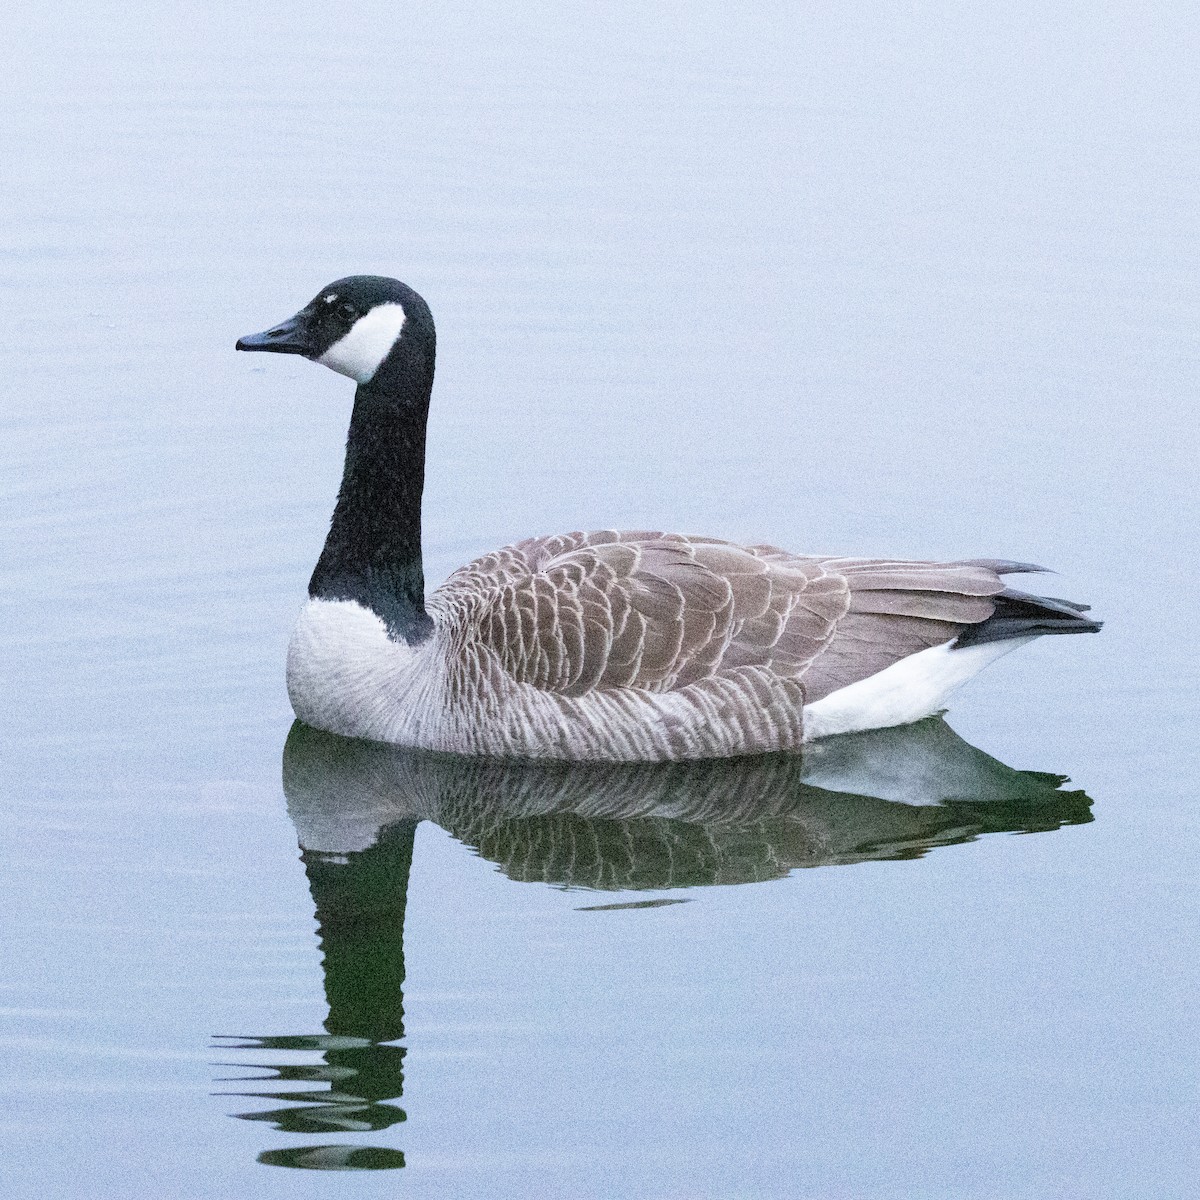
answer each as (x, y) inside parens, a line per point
(913, 688)
(368, 343)
(346, 676)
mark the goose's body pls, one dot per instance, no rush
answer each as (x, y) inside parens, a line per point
(602, 646)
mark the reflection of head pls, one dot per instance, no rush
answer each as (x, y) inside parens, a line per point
(360, 902)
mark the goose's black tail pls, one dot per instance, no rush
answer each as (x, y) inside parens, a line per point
(1018, 614)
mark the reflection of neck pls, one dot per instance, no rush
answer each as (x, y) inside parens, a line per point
(360, 918)
(373, 551)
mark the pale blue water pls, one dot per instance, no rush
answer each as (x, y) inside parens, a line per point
(919, 284)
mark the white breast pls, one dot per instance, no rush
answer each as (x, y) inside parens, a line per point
(345, 675)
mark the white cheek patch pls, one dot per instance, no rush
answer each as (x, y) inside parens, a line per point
(368, 343)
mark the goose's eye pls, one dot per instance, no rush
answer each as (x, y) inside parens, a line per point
(345, 310)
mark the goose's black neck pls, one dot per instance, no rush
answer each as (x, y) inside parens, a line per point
(372, 554)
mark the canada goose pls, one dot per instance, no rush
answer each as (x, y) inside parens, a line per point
(609, 646)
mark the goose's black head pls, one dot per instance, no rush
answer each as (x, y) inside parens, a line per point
(374, 329)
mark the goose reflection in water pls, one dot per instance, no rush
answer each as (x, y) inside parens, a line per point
(888, 794)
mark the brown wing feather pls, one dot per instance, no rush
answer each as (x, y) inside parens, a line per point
(584, 611)
(897, 609)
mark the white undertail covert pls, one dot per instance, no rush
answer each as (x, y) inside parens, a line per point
(913, 688)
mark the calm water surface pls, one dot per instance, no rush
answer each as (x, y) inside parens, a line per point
(844, 280)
